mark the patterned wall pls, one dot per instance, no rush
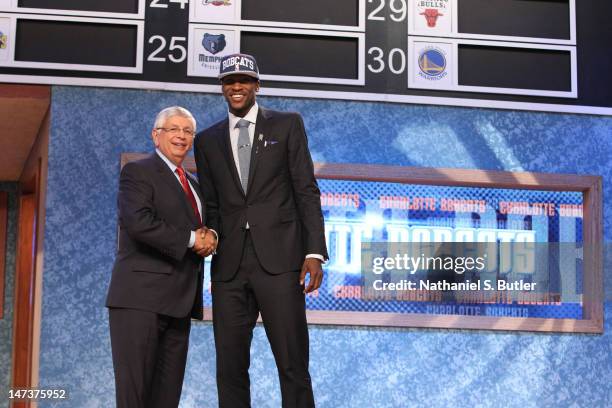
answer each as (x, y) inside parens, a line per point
(6, 323)
(351, 366)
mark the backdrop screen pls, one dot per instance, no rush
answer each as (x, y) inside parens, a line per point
(533, 240)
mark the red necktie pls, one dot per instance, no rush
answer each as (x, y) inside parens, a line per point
(188, 192)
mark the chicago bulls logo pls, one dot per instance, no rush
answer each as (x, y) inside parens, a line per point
(432, 16)
(432, 10)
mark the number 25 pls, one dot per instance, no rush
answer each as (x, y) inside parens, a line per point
(173, 46)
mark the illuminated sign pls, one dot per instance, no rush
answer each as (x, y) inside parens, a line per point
(358, 212)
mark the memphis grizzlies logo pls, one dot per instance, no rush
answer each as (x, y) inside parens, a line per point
(432, 63)
(214, 43)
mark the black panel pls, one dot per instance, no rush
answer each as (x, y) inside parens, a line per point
(594, 59)
(302, 55)
(110, 6)
(337, 12)
(594, 34)
(76, 43)
(523, 68)
(518, 18)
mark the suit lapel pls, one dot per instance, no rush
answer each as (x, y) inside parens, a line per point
(223, 137)
(171, 181)
(261, 132)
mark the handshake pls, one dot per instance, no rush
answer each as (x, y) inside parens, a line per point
(205, 242)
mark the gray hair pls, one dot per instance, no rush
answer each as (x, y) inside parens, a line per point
(171, 111)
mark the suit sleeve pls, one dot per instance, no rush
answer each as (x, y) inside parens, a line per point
(306, 190)
(138, 217)
(206, 186)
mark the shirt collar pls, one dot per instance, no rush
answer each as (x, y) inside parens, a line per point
(251, 116)
(166, 160)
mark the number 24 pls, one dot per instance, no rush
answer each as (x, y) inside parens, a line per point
(157, 4)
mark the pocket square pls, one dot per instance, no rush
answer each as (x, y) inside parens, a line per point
(270, 142)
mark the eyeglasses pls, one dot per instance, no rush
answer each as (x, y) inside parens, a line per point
(175, 131)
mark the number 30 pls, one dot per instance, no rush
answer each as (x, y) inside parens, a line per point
(380, 62)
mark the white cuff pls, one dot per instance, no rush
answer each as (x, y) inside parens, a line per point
(317, 256)
(215, 232)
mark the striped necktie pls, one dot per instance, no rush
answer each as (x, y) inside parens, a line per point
(244, 152)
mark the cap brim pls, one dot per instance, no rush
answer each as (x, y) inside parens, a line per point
(247, 73)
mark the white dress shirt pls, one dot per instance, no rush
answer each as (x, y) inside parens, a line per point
(195, 194)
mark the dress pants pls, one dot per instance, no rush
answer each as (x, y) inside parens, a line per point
(236, 305)
(149, 356)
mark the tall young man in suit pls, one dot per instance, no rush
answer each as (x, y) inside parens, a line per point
(262, 200)
(156, 285)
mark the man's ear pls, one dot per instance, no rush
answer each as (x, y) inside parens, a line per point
(155, 137)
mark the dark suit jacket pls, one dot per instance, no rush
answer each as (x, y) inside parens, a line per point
(154, 270)
(282, 204)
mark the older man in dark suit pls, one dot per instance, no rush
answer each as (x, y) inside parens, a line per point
(156, 284)
(262, 200)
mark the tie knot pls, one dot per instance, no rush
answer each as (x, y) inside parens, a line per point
(242, 123)
(180, 171)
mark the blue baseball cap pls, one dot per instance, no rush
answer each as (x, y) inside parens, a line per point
(234, 64)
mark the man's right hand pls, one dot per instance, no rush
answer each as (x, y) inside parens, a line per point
(205, 242)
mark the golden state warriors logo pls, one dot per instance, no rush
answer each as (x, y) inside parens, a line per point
(432, 63)
(3, 40)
